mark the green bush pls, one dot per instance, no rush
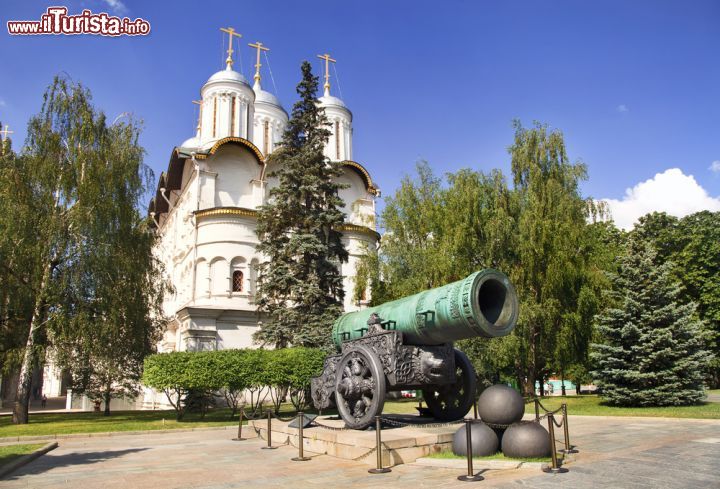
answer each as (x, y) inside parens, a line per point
(168, 372)
(257, 373)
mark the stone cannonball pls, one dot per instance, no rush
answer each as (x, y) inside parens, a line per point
(500, 404)
(484, 440)
(526, 439)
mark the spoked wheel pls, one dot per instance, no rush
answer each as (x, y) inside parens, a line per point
(360, 387)
(453, 401)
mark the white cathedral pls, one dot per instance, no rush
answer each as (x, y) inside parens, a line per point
(205, 209)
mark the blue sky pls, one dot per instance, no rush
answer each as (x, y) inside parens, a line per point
(634, 86)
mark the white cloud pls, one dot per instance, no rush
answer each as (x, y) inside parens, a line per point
(715, 166)
(116, 6)
(671, 191)
(622, 108)
(4, 104)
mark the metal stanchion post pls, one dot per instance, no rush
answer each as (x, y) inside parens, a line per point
(470, 476)
(568, 448)
(537, 409)
(555, 467)
(269, 432)
(378, 448)
(239, 437)
(301, 457)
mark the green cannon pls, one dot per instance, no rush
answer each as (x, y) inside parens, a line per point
(408, 344)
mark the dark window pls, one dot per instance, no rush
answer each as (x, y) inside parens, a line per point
(237, 281)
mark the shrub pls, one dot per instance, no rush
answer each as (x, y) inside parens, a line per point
(190, 379)
(168, 372)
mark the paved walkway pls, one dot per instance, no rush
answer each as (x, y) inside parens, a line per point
(53, 405)
(615, 453)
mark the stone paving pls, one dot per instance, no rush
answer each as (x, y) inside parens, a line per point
(615, 453)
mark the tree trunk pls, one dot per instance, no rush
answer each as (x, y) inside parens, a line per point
(22, 397)
(107, 401)
(532, 366)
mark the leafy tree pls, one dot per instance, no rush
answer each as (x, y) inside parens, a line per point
(304, 364)
(698, 267)
(652, 350)
(92, 282)
(692, 244)
(601, 245)
(18, 245)
(537, 232)
(550, 265)
(299, 285)
(234, 371)
(170, 373)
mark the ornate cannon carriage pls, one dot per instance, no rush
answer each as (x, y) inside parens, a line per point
(408, 344)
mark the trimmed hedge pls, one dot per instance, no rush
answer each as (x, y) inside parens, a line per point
(257, 372)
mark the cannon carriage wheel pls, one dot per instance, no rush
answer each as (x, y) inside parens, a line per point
(360, 387)
(452, 401)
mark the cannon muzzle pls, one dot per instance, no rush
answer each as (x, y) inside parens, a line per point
(483, 304)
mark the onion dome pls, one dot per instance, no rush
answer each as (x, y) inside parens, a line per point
(227, 75)
(192, 142)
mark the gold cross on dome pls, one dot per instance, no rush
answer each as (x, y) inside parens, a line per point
(6, 130)
(328, 60)
(231, 32)
(260, 47)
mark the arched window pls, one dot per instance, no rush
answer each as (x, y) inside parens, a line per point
(237, 284)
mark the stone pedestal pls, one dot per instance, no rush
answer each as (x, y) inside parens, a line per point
(400, 445)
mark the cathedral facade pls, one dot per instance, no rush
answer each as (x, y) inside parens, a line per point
(206, 204)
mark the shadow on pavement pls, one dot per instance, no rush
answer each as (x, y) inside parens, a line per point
(50, 461)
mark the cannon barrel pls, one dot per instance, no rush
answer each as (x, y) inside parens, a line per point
(483, 304)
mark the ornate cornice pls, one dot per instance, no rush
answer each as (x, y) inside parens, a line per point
(364, 174)
(244, 212)
(233, 140)
(223, 211)
(359, 229)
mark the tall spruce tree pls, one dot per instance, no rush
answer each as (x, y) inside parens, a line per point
(652, 352)
(299, 285)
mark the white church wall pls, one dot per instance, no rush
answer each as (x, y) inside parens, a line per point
(236, 168)
(219, 281)
(202, 279)
(357, 245)
(338, 147)
(232, 335)
(353, 198)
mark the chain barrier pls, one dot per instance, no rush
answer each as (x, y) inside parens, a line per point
(260, 416)
(495, 425)
(284, 420)
(249, 417)
(546, 409)
(401, 424)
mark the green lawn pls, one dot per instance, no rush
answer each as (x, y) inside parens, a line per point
(90, 422)
(497, 456)
(591, 405)
(9, 453)
(65, 423)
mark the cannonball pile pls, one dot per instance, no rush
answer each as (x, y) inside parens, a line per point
(502, 408)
